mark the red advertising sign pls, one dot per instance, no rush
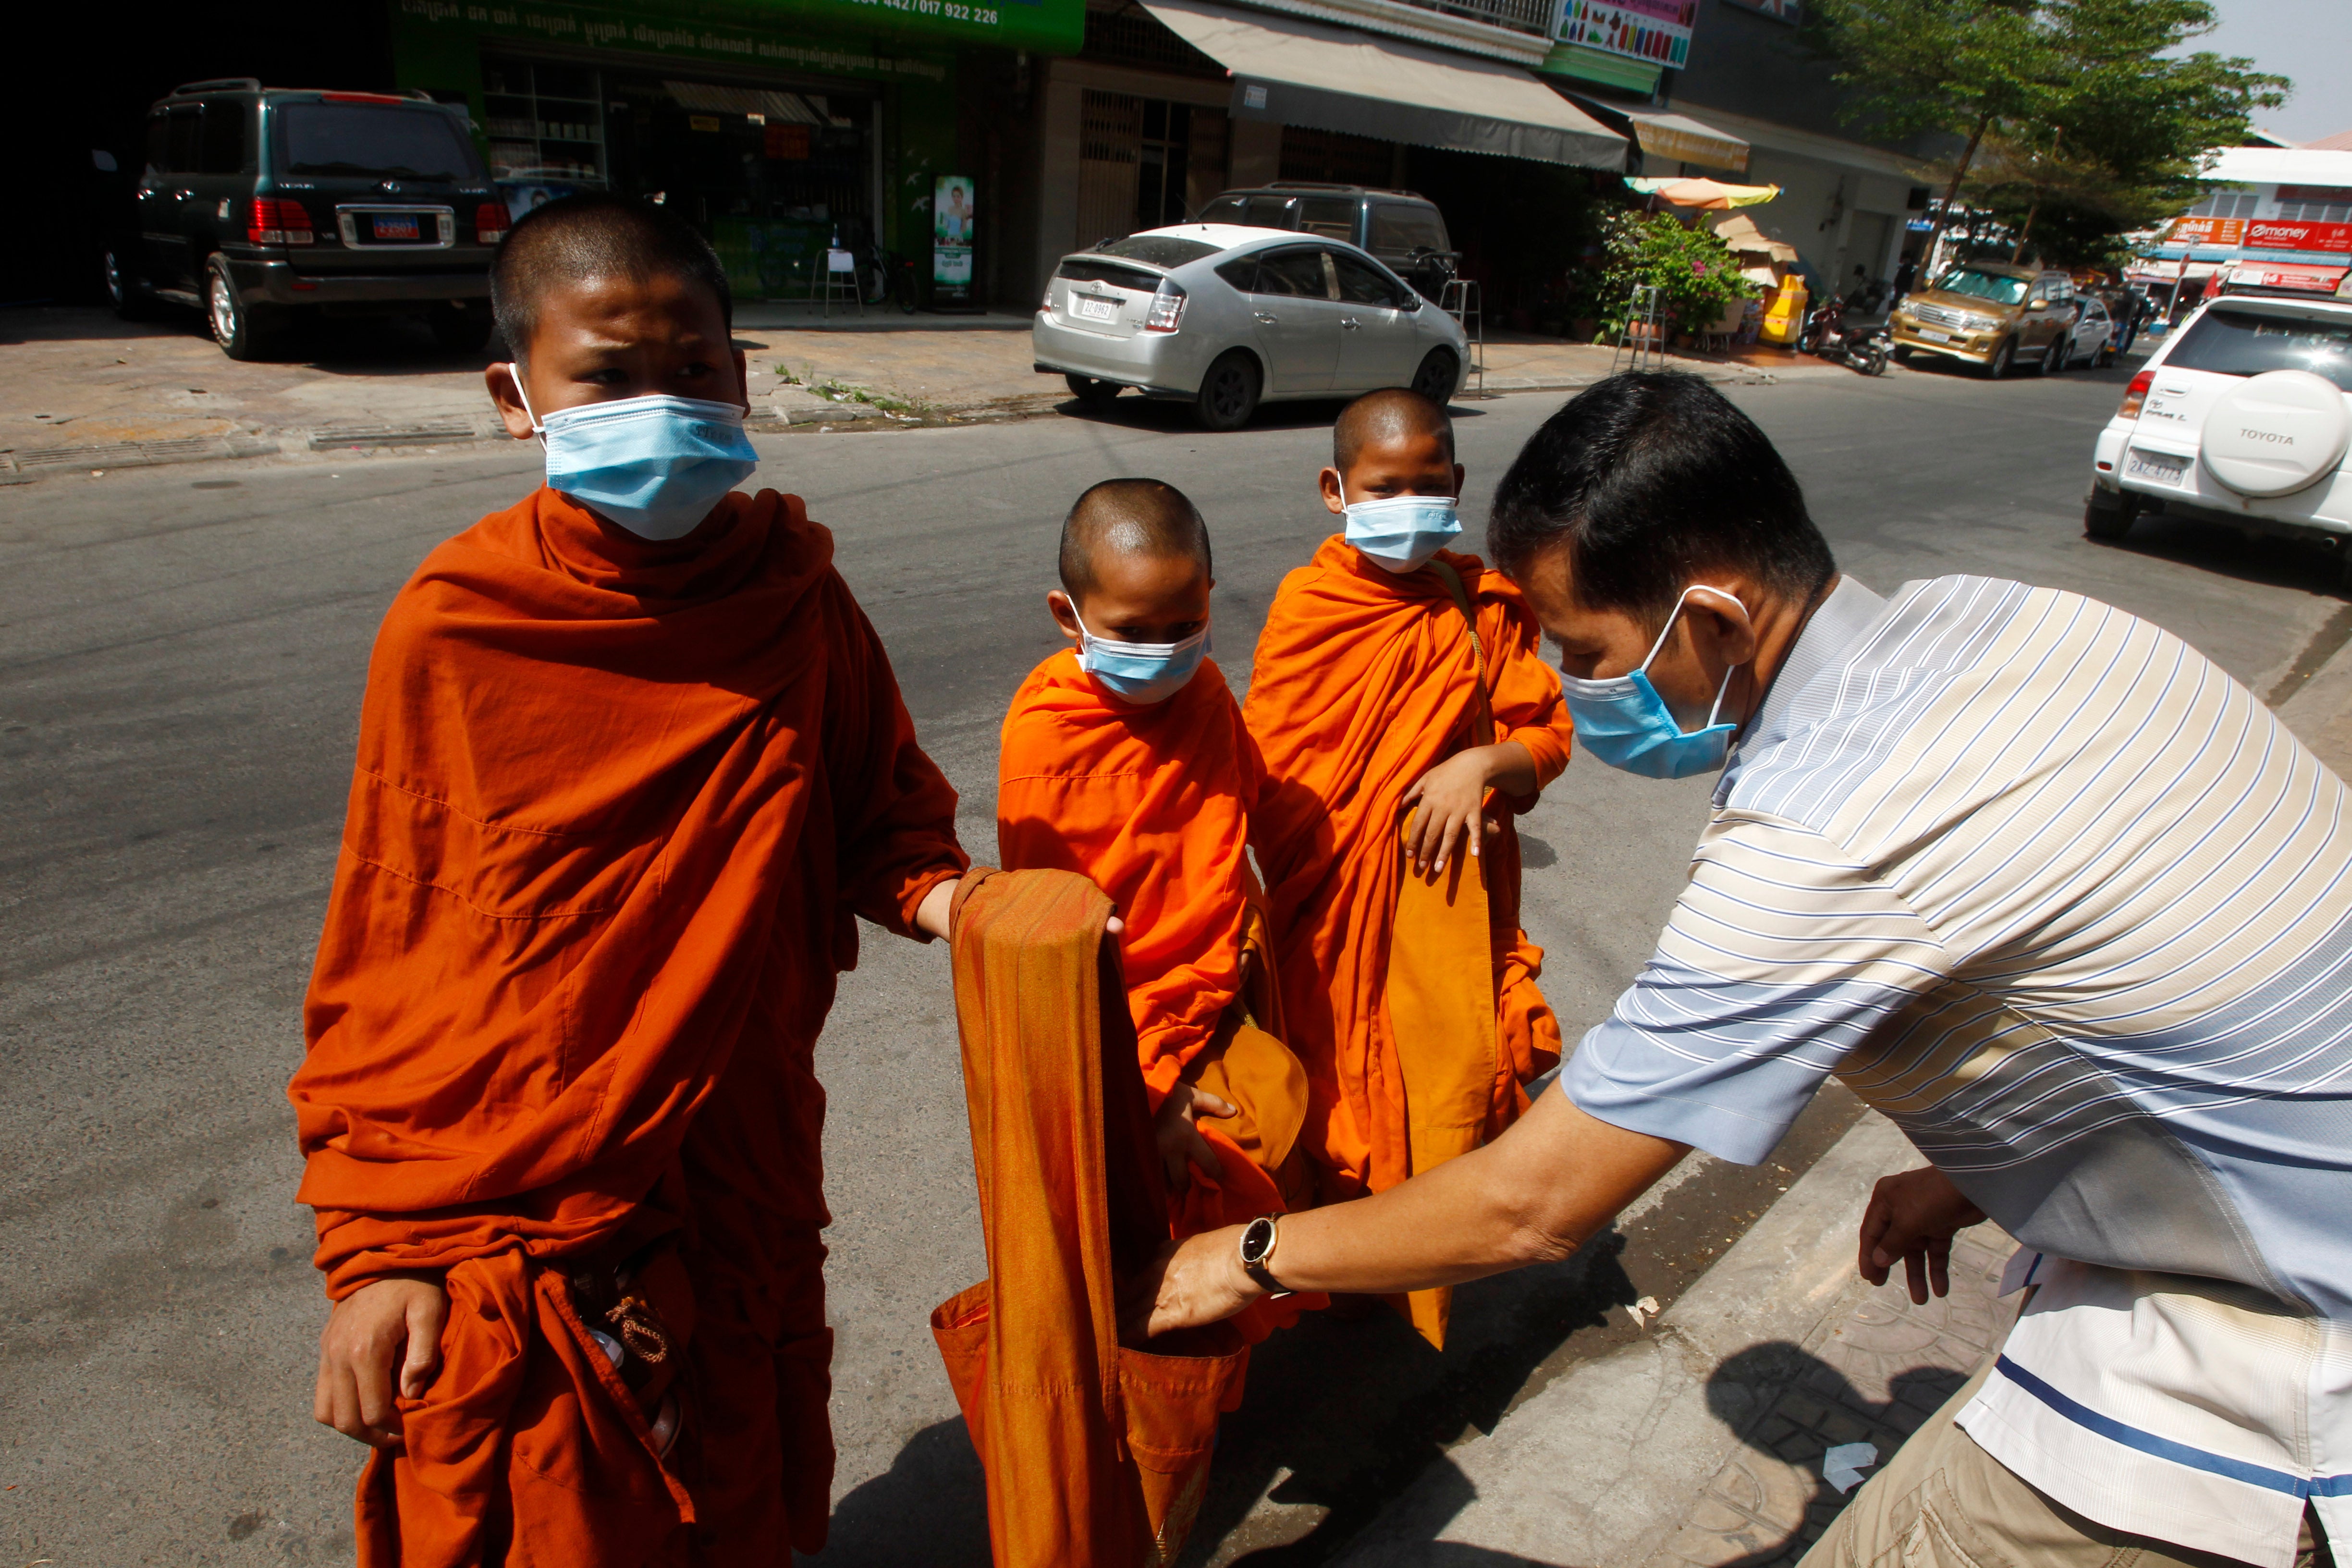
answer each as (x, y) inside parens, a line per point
(2207, 230)
(2278, 234)
(2297, 275)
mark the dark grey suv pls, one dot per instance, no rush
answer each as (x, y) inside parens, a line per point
(261, 206)
(1404, 230)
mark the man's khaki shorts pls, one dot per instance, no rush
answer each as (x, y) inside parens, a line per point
(1942, 1502)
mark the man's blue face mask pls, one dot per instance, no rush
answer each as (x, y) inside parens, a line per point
(1141, 673)
(1623, 723)
(655, 465)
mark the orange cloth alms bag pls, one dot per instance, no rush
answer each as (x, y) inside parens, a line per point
(1097, 1453)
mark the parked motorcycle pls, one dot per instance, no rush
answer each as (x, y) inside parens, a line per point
(1825, 332)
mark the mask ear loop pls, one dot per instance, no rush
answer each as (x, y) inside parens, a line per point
(1721, 690)
(514, 369)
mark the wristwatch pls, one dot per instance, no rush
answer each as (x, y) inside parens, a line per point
(1257, 1247)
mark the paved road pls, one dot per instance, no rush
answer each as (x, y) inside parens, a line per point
(180, 656)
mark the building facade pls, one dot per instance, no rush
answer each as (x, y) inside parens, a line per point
(2277, 221)
(1848, 204)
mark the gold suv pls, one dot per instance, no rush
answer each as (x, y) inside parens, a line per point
(1990, 314)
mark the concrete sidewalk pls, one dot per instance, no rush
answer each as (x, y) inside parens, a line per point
(79, 389)
(1703, 1442)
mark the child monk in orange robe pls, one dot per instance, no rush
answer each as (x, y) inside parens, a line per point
(1125, 760)
(1405, 715)
(631, 760)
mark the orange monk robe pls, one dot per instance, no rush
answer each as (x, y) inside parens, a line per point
(1364, 680)
(1153, 805)
(615, 807)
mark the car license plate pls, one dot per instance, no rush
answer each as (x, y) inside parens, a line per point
(1932, 335)
(388, 227)
(2161, 467)
(1094, 307)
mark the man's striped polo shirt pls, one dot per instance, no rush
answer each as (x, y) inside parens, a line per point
(2068, 904)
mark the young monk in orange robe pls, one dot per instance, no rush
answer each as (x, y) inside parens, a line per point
(631, 759)
(1398, 748)
(1125, 760)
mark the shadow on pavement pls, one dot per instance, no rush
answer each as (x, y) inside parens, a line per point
(364, 345)
(1807, 1407)
(2213, 547)
(931, 1507)
(1347, 1410)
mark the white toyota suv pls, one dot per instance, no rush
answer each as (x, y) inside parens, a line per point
(2241, 418)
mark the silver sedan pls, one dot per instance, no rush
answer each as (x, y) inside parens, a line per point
(1225, 318)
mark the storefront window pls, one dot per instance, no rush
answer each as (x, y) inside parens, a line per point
(774, 176)
(546, 129)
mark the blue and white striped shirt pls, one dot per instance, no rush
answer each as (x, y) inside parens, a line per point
(2069, 905)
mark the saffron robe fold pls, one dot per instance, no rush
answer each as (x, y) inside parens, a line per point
(616, 803)
(1151, 803)
(1363, 681)
(1095, 1453)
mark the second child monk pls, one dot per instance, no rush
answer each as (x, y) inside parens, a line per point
(1125, 760)
(1404, 714)
(631, 762)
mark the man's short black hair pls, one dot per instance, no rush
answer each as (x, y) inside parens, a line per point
(1651, 480)
(1148, 517)
(596, 234)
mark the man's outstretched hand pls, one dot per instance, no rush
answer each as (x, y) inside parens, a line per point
(386, 1327)
(1914, 1217)
(1193, 1282)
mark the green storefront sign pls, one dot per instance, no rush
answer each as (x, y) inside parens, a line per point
(800, 34)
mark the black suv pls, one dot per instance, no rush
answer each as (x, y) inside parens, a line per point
(259, 205)
(1404, 230)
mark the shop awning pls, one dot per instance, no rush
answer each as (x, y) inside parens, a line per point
(1361, 84)
(2302, 277)
(1687, 140)
(709, 98)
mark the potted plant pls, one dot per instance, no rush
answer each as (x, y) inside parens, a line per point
(1695, 274)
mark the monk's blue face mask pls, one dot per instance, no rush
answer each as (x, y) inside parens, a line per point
(1623, 723)
(1142, 673)
(655, 465)
(1402, 532)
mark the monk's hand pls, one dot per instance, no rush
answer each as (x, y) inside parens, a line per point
(384, 1334)
(932, 914)
(1914, 1217)
(1175, 1129)
(1193, 1282)
(1449, 805)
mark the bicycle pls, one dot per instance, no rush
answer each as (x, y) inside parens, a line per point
(882, 275)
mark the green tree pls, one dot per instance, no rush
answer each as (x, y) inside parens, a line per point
(2086, 126)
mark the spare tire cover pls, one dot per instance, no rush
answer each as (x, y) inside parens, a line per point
(2276, 433)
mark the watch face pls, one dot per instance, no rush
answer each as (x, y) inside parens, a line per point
(1257, 1240)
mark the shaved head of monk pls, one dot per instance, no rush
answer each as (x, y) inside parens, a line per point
(1392, 442)
(1135, 564)
(601, 297)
